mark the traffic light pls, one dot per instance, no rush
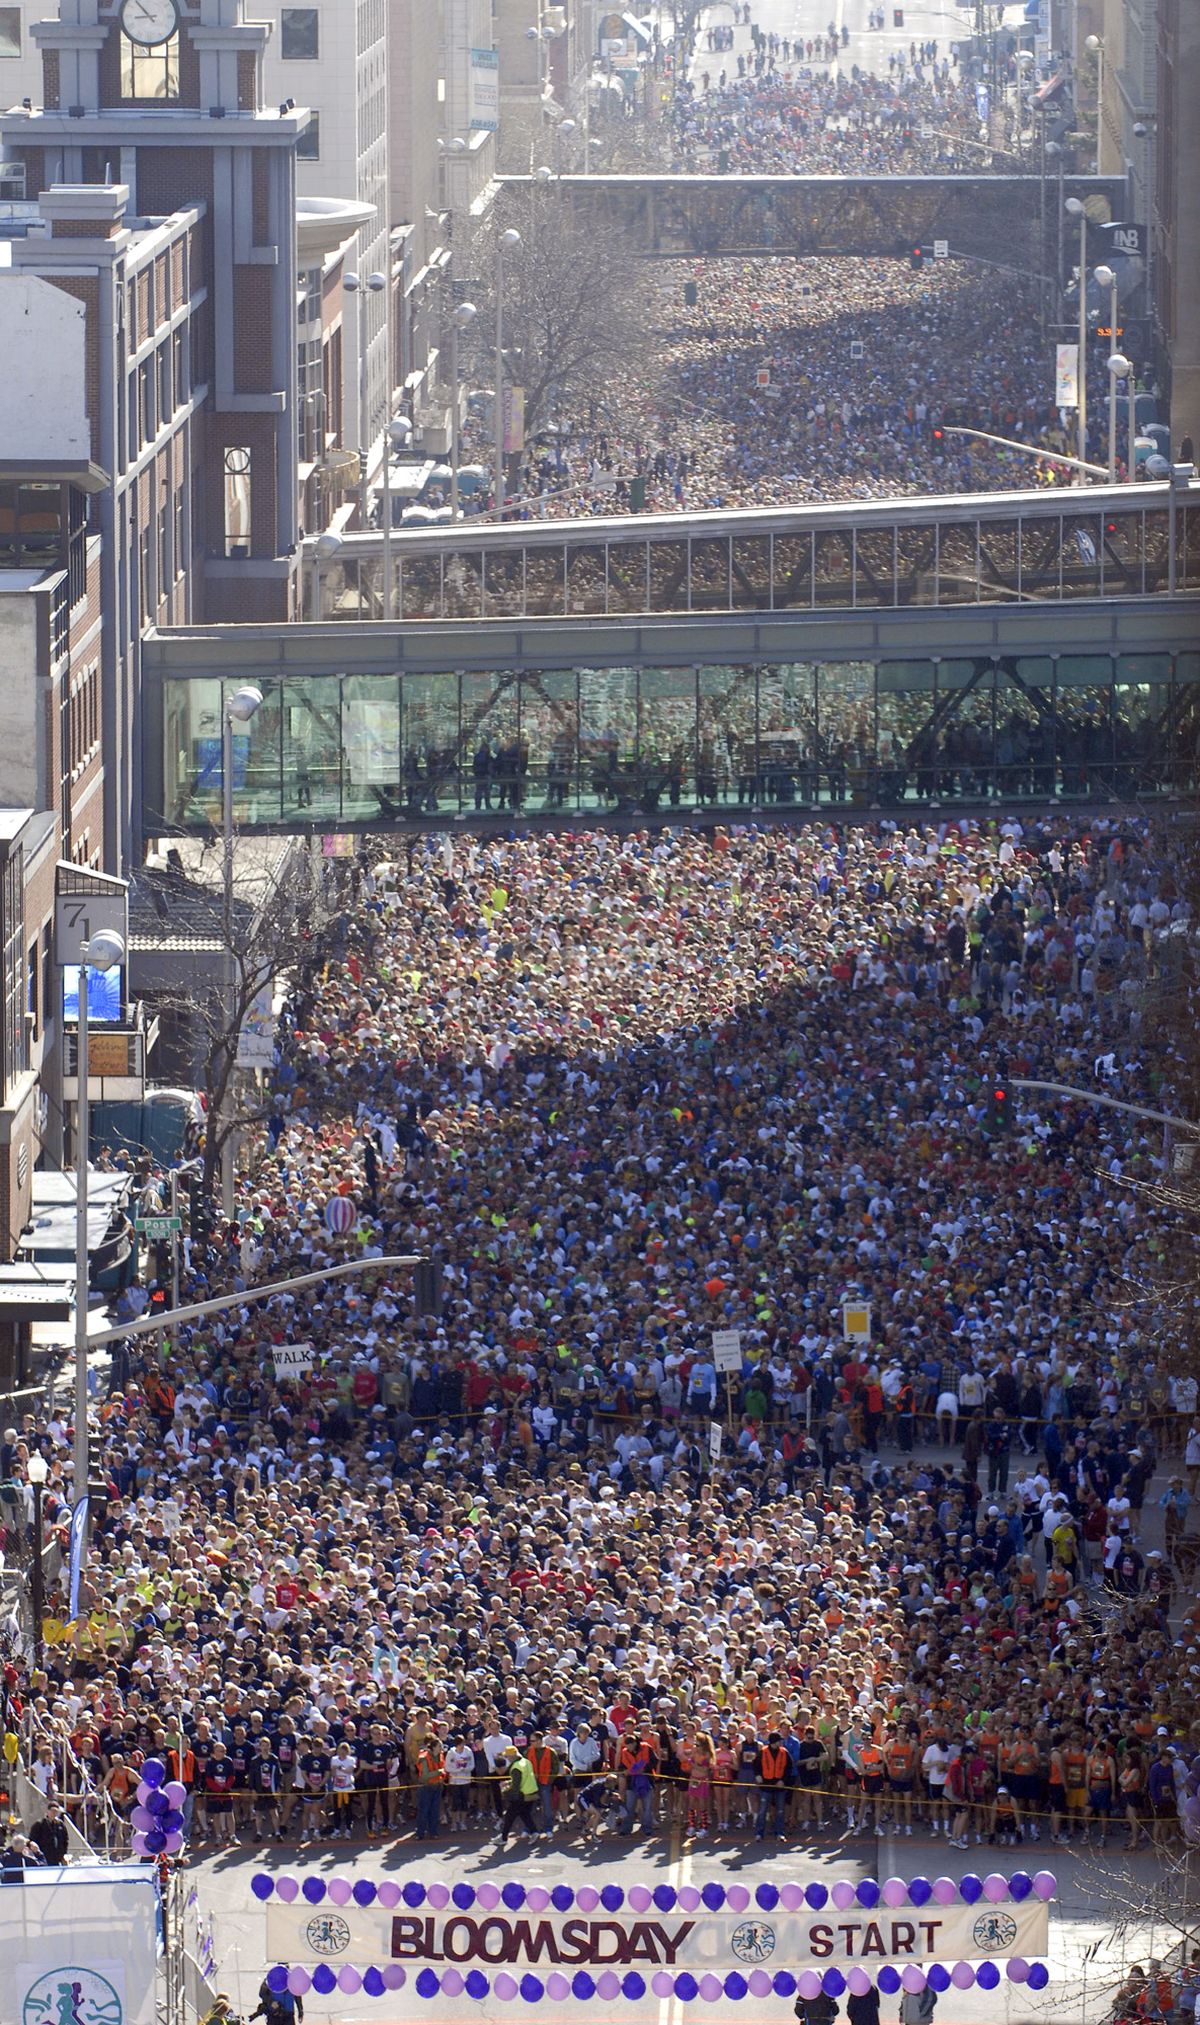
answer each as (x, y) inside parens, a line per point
(999, 1106)
(916, 259)
(427, 1287)
(199, 1216)
(937, 435)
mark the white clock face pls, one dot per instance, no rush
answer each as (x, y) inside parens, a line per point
(149, 22)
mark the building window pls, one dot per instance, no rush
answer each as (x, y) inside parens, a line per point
(10, 31)
(12, 908)
(31, 990)
(150, 73)
(308, 147)
(299, 34)
(237, 501)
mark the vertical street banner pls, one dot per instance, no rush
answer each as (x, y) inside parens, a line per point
(483, 91)
(75, 1540)
(1066, 376)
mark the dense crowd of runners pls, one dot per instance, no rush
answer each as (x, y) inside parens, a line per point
(478, 1570)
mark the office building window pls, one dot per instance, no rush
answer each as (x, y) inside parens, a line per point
(10, 31)
(299, 34)
(308, 147)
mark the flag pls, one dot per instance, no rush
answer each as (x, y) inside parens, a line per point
(79, 1519)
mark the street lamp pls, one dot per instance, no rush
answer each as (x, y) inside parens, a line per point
(508, 242)
(1076, 208)
(462, 316)
(1118, 367)
(374, 284)
(104, 952)
(37, 1469)
(325, 548)
(1094, 44)
(240, 708)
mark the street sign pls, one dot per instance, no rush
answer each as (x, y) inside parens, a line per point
(856, 1322)
(714, 1440)
(762, 377)
(941, 249)
(158, 1226)
(85, 904)
(727, 1349)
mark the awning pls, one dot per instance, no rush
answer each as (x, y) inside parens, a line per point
(39, 1297)
(88, 477)
(50, 1236)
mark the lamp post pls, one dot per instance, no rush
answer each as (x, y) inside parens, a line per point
(375, 284)
(1118, 367)
(325, 548)
(104, 952)
(240, 708)
(1076, 208)
(37, 1469)
(508, 242)
(462, 316)
(1094, 44)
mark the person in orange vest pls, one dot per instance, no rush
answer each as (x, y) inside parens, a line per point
(774, 1766)
(900, 1757)
(181, 1765)
(545, 1770)
(431, 1777)
(873, 1771)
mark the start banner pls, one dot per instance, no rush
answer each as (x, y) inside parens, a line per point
(562, 1946)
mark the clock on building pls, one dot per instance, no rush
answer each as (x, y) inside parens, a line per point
(149, 22)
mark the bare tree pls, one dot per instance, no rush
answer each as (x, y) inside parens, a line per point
(572, 303)
(280, 925)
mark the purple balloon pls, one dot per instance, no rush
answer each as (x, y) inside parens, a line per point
(173, 1842)
(154, 1772)
(894, 1891)
(340, 1889)
(171, 1822)
(833, 1982)
(143, 1819)
(888, 1979)
(970, 1887)
(299, 1982)
(987, 1975)
(139, 1844)
(1038, 1977)
(1018, 1969)
(176, 1792)
(349, 1980)
(1045, 1884)
(913, 1979)
(156, 1842)
(287, 1889)
(857, 1982)
(504, 1987)
(809, 1984)
(945, 1891)
(842, 1894)
(995, 1887)
(1020, 1884)
(962, 1975)
(156, 1803)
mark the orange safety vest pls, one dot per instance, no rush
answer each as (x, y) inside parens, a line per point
(543, 1764)
(774, 1764)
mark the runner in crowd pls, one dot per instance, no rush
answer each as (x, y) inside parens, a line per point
(630, 1090)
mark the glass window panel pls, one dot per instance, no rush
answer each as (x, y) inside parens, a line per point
(846, 729)
(550, 728)
(1184, 745)
(1157, 546)
(1041, 555)
(788, 754)
(429, 723)
(544, 582)
(494, 762)
(964, 728)
(256, 784)
(667, 736)
(999, 561)
(1141, 723)
(874, 566)
(1188, 541)
(371, 769)
(311, 730)
(668, 576)
(832, 568)
(726, 765)
(192, 753)
(916, 565)
(1025, 725)
(627, 564)
(608, 737)
(1084, 727)
(793, 572)
(958, 568)
(586, 577)
(1123, 555)
(905, 745)
(710, 576)
(462, 585)
(420, 587)
(751, 573)
(504, 583)
(1082, 541)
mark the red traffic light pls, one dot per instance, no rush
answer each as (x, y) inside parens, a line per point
(1000, 1095)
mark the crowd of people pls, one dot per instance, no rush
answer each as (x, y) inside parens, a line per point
(477, 1569)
